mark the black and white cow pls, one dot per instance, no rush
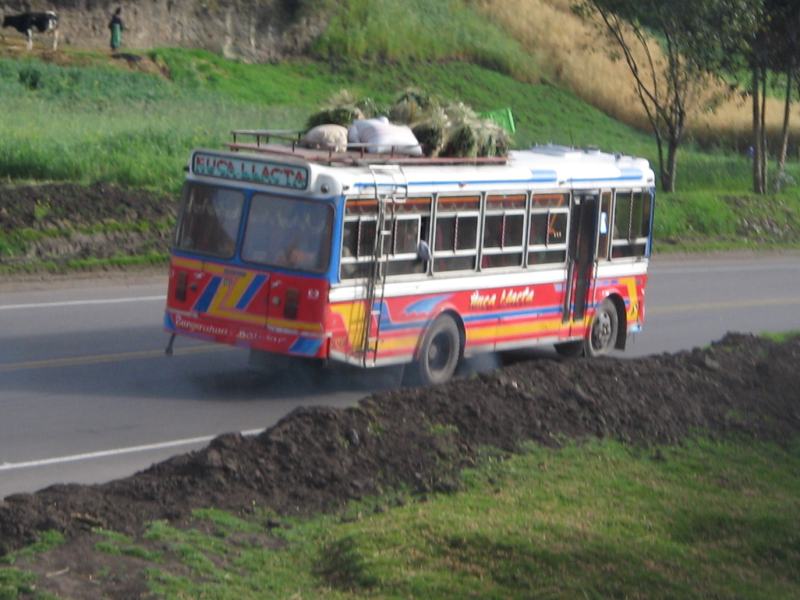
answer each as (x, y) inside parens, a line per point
(44, 22)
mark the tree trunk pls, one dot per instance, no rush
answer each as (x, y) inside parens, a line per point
(669, 174)
(764, 147)
(756, 147)
(661, 168)
(785, 133)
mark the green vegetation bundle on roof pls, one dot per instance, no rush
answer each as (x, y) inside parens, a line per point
(453, 130)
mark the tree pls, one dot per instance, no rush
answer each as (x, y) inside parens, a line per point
(784, 50)
(768, 44)
(693, 35)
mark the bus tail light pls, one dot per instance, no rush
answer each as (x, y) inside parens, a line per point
(290, 305)
(180, 287)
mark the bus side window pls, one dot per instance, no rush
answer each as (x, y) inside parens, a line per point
(503, 231)
(411, 226)
(631, 223)
(358, 239)
(547, 235)
(455, 244)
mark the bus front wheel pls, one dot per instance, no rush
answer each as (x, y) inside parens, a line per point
(439, 353)
(603, 332)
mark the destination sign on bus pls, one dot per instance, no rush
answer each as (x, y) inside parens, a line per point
(245, 169)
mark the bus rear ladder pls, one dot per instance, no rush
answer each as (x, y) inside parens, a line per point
(391, 189)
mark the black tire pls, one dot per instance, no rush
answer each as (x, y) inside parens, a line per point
(572, 349)
(602, 335)
(439, 353)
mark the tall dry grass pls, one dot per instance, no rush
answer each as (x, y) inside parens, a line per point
(577, 53)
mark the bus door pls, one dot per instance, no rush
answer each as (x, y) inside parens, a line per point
(581, 271)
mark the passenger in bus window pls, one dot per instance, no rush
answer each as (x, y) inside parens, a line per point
(303, 251)
(423, 251)
(279, 236)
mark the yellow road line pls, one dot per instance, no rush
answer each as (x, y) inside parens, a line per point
(99, 359)
(702, 306)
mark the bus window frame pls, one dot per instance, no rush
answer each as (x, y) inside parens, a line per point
(356, 261)
(566, 210)
(456, 214)
(503, 250)
(239, 228)
(245, 221)
(389, 257)
(609, 194)
(629, 242)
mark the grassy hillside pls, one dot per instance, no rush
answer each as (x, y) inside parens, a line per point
(110, 124)
(87, 118)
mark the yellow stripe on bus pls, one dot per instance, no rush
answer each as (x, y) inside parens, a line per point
(406, 342)
(491, 331)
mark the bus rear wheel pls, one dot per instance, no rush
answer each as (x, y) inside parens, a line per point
(439, 353)
(603, 333)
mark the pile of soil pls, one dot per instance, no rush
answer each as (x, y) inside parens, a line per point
(320, 458)
(71, 221)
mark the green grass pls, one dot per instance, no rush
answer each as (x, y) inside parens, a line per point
(105, 124)
(708, 519)
(596, 520)
(118, 544)
(14, 583)
(726, 219)
(47, 540)
(417, 31)
(19, 583)
(780, 337)
(120, 261)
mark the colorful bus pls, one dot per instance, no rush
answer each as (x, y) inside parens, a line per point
(372, 260)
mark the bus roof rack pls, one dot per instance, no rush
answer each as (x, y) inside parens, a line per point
(356, 155)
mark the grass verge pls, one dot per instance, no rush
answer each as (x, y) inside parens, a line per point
(594, 520)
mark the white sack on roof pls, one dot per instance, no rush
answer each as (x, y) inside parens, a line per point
(326, 137)
(354, 133)
(384, 137)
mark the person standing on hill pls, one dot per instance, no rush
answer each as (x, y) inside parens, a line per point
(116, 27)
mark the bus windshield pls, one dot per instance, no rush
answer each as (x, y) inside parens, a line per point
(209, 222)
(288, 232)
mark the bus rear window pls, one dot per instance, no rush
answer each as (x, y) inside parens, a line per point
(289, 233)
(209, 221)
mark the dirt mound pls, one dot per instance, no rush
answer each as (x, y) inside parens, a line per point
(59, 222)
(319, 458)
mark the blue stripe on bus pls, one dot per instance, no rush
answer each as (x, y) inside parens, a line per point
(538, 177)
(629, 177)
(544, 177)
(204, 301)
(550, 310)
(306, 346)
(251, 291)
(387, 325)
(426, 305)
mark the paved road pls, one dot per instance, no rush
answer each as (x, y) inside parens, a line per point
(87, 395)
